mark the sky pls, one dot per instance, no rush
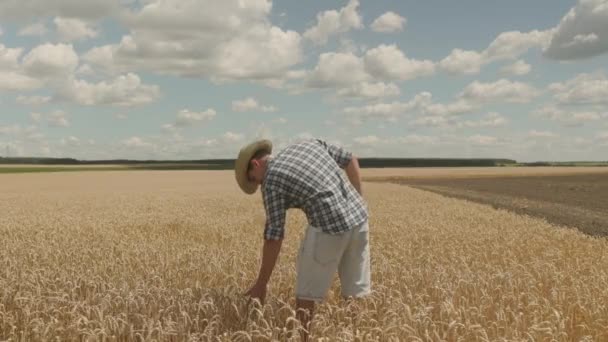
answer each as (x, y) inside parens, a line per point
(198, 79)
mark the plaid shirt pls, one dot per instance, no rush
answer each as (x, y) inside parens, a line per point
(308, 175)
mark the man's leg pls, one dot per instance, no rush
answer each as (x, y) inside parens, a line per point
(317, 263)
(304, 313)
(354, 268)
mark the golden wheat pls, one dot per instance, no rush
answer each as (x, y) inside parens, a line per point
(167, 255)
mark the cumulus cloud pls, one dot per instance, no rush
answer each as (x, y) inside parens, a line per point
(370, 90)
(507, 46)
(354, 74)
(15, 81)
(26, 9)
(389, 22)
(136, 142)
(216, 39)
(518, 68)
(388, 62)
(583, 89)
(569, 117)
(34, 100)
(58, 118)
(393, 111)
(124, 91)
(492, 119)
(333, 22)
(502, 90)
(250, 104)
(541, 134)
(12, 77)
(368, 140)
(186, 118)
(337, 70)
(582, 32)
(482, 140)
(51, 61)
(70, 29)
(231, 137)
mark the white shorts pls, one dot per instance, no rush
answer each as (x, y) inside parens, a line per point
(322, 254)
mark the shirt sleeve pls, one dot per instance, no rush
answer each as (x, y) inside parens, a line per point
(340, 155)
(274, 203)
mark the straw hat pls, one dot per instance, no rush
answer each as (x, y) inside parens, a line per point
(242, 163)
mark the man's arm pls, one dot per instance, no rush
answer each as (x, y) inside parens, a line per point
(274, 203)
(354, 176)
(270, 254)
(347, 161)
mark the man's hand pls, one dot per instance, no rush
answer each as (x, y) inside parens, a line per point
(258, 291)
(270, 253)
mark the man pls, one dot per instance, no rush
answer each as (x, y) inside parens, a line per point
(308, 175)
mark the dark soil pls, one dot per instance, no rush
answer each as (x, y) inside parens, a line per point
(579, 201)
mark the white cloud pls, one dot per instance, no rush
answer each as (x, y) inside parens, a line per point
(332, 22)
(501, 90)
(582, 32)
(124, 91)
(36, 117)
(10, 129)
(415, 139)
(50, 61)
(216, 39)
(9, 57)
(25, 9)
(70, 29)
(185, 117)
(13, 81)
(512, 44)
(462, 62)
(507, 46)
(70, 141)
(390, 112)
(389, 63)
(231, 137)
(347, 71)
(33, 100)
(569, 117)
(281, 121)
(582, 89)
(337, 70)
(389, 22)
(58, 118)
(490, 120)
(136, 142)
(35, 29)
(482, 140)
(422, 102)
(434, 121)
(367, 140)
(541, 134)
(370, 90)
(518, 68)
(459, 106)
(250, 104)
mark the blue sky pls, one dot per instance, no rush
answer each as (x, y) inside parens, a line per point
(178, 79)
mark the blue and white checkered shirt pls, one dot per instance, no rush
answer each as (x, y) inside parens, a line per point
(308, 175)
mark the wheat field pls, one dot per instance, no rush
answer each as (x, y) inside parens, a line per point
(166, 256)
